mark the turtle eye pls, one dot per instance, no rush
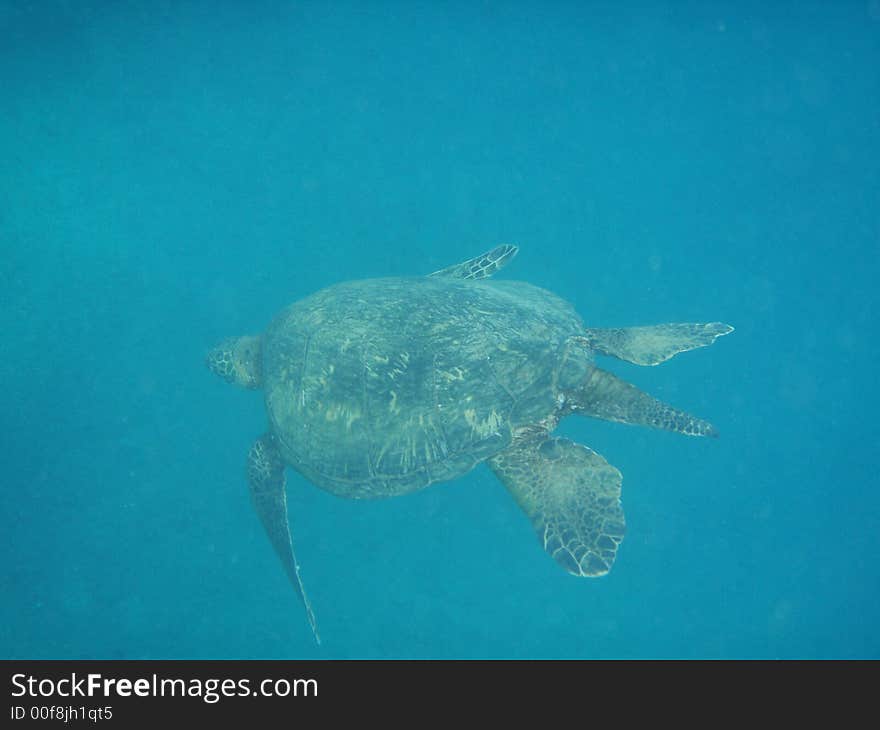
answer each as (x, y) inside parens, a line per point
(247, 362)
(250, 356)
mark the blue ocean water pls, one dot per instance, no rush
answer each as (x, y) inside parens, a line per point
(172, 173)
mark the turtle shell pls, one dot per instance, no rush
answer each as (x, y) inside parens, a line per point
(383, 386)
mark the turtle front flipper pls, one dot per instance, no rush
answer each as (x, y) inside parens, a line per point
(572, 496)
(267, 485)
(604, 395)
(655, 344)
(482, 266)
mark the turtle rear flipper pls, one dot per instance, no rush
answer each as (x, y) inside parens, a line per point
(572, 496)
(655, 344)
(267, 486)
(482, 266)
(604, 395)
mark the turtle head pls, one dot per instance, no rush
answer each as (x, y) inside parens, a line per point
(238, 360)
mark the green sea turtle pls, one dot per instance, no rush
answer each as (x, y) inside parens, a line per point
(380, 387)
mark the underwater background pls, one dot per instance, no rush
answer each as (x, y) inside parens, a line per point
(173, 173)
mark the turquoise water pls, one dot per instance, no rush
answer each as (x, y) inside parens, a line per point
(174, 173)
